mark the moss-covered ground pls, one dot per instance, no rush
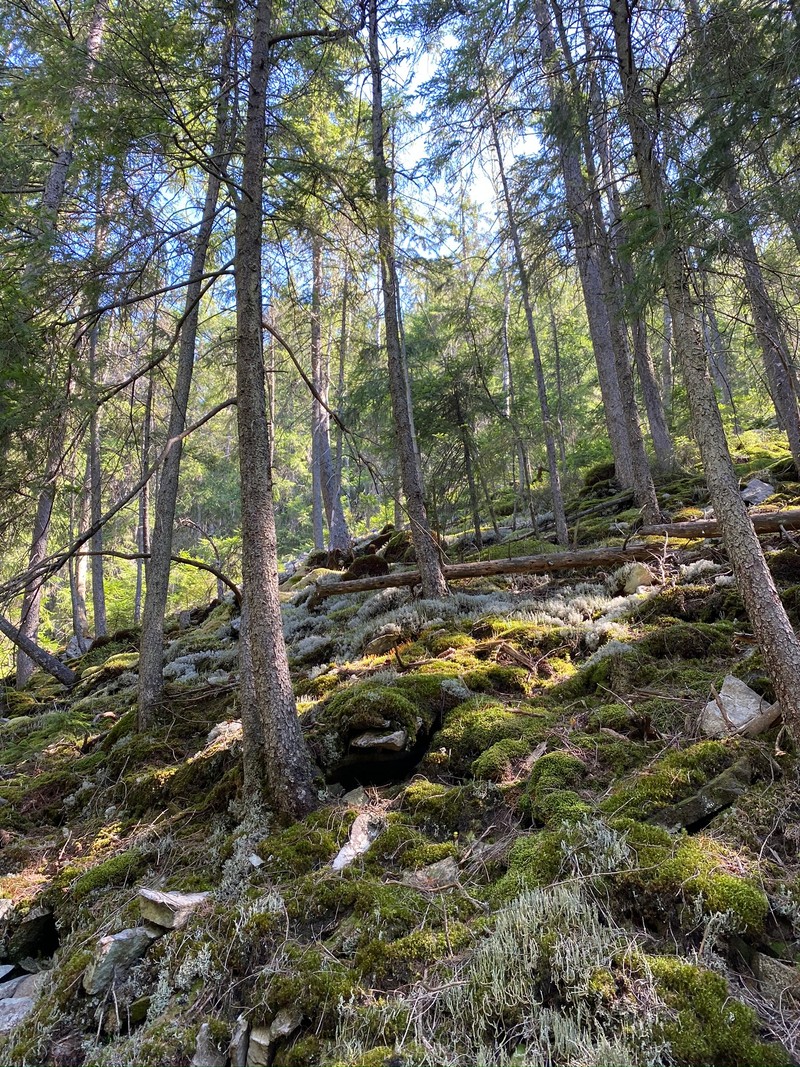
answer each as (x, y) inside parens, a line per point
(529, 898)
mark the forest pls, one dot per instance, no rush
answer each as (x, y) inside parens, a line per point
(400, 498)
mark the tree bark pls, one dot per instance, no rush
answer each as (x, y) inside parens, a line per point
(287, 772)
(37, 655)
(771, 627)
(425, 545)
(96, 500)
(151, 683)
(562, 533)
(143, 527)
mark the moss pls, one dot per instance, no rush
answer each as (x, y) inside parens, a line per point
(678, 775)
(534, 860)
(496, 763)
(611, 717)
(305, 1052)
(689, 641)
(547, 797)
(409, 956)
(305, 845)
(116, 871)
(121, 728)
(475, 725)
(707, 1025)
(598, 473)
(528, 546)
(367, 706)
(311, 982)
(14, 703)
(785, 565)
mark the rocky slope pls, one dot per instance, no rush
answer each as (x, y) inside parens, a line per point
(527, 851)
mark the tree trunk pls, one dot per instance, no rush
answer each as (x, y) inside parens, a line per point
(151, 684)
(771, 627)
(78, 569)
(562, 533)
(768, 327)
(143, 527)
(468, 468)
(425, 545)
(37, 655)
(287, 772)
(330, 485)
(598, 277)
(96, 498)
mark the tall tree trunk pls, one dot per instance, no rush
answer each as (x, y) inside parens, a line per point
(562, 533)
(330, 485)
(286, 766)
(667, 383)
(426, 547)
(463, 431)
(151, 683)
(96, 498)
(598, 276)
(143, 527)
(78, 569)
(768, 328)
(772, 629)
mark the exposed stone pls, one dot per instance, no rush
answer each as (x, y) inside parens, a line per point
(12, 1011)
(115, 954)
(264, 1038)
(231, 730)
(384, 642)
(737, 710)
(639, 574)
(395, 741)
(206, 1052)
(777, 979)
(355, 797)
(27, 985)
(6, 908)
(170, 911)
(435, 876)
(362, 833)
(255, 860)
(756, 491)
(237, 1050)
(714, 797)
(5, 970)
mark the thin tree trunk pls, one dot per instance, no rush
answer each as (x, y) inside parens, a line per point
(151, 683)
(768, 328)
(267, 687)
(562, 533)
(473, 494)
(339, 535)
(96, 498)
(771, 627)
(143, 528)
(37, 655)
(426, 547)
(78, 569)
(666, 356)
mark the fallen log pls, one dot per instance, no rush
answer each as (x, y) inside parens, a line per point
(556, 561)
(40, 656)
(768, 522)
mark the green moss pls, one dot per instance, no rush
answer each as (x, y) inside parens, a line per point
(494, 764)
(367, 706)
(547, 797)
(534, 860)
(707, 1025)
(527, 546)
(474, 726)
(116, 871)
(15, 703)
(611, 717)
(305, 1052)
(785, 565)
(688, 641)
(311, 982)
(677, 776)
(305, 845)
(407, 957)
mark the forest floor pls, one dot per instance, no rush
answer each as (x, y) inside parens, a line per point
(557, 866)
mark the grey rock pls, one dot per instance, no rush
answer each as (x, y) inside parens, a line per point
(384, 642)
(714, 797)
(27, 985)
(237, 1050)
(255, 860)
(395, 741)
(5, 970)
(115, 954)
(639, 574)
(435, 876)
(230, 730)
(206, 1052)
(169, 910)
(355, 797)
(756, 491)
(746, 712)
(777, 979)
(264, 1038)
(12, 1011)
(363, 832)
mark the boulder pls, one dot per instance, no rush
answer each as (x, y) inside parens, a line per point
(777, 979)
(639, 574)
(384, 642)
(115, 954)
(237, 1050)
(362, 833)
(738, 709)
(170, 911)
(12, 1011)
(27, 985)
(756, 491)
(437, 875)
(207, 1053)
(264, 1038)
(395, 741)
(714, 797)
